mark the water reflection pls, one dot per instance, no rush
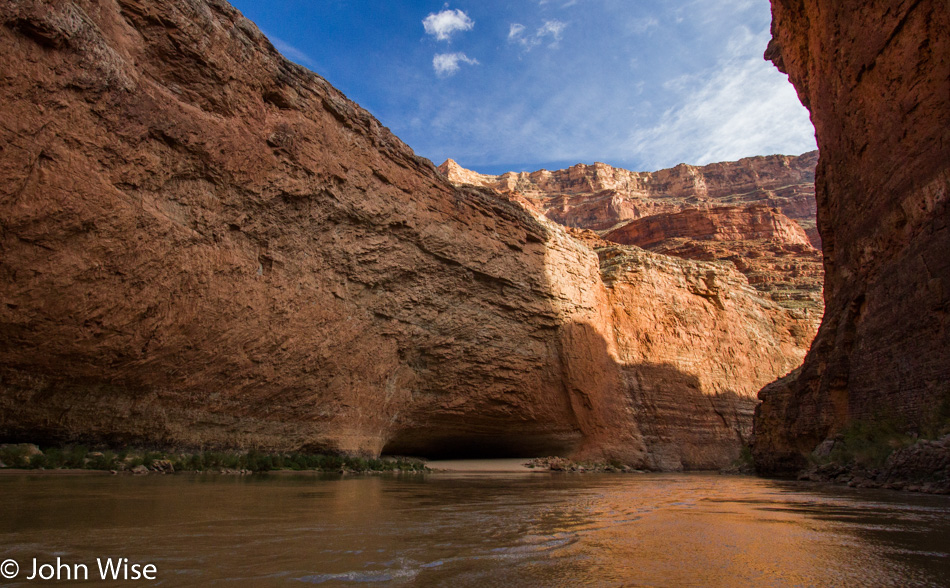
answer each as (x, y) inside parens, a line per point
(478, 530)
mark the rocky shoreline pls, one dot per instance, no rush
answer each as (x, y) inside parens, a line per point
(562, 464)
(921, 467)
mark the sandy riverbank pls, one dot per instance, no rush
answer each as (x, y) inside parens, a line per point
(481, 465)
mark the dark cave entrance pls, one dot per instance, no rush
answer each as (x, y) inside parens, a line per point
(445, 445)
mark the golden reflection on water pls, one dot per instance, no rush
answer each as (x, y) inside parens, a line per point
(535, 529)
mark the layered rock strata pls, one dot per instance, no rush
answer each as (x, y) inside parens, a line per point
(771, 250)
(203, 244)
(758, 213)
(600, 197)
(874, 77)
(690, 338)
(723, 223)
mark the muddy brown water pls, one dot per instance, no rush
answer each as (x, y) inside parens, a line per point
(475, 529)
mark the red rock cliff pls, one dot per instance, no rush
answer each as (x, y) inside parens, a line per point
(768, 247)
(206, 245)
(681, 212)
(875, 78)
(723, 223)
(601, 197)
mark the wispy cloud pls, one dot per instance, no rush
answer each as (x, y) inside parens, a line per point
(442, 25)
(639, 26)
(447, 64)
(742, 107)
(704, 94)
(551, 31)
(290, 52)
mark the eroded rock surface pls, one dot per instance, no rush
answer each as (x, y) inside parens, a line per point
(723, 223)
(206, 245)
(772, 250)
(691, 338)
(874, 76)
(600, 197)
(758, 213)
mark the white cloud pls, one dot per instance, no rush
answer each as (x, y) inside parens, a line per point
(443, 24)
(447, 64)
(551, 30)
(704, 95)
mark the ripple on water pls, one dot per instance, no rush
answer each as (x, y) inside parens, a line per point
(526, 531)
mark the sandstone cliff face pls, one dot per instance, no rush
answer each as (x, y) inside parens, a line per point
(771, 250)
(767, 230)
(686, 364)
(600, 197)
(874, 77)
(724, 223)
(203, 244)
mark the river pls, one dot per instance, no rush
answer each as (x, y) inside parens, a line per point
(475, 529)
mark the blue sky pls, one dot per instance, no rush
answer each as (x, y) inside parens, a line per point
(529, 84)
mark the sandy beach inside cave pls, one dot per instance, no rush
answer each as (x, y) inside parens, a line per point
(482, 465)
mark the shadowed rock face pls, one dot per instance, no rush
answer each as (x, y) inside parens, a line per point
(874, 76)
(206, 245)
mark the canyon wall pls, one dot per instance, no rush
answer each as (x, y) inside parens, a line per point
(757, 213)
(772, 250)
(875, 78)
(205, 245)
(691, 338)
(602, 197)
(722, 223)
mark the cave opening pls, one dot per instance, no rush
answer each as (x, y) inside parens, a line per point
(459, 446)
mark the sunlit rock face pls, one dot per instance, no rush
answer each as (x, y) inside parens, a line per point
(772, 250)
(874, 76)
(692, 338)
(601, 197)
(724, 223)
(757, 213)
(205, 245)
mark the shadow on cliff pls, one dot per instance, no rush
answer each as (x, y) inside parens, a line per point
(683, 426)
(649, 415)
